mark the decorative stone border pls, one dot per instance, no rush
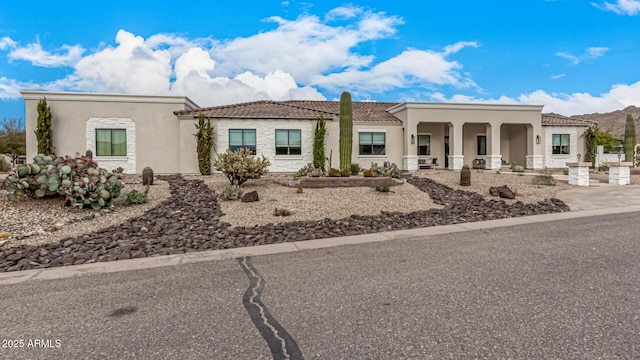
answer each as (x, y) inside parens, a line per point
(325, 182)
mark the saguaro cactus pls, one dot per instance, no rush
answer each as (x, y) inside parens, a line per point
(346, 130)
(629, 138)
(318, 144)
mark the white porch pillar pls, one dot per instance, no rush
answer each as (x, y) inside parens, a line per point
(579, 173)
(493, 157)
(456, 159)
(619, 173)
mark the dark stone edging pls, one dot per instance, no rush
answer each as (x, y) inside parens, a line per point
(190, 220)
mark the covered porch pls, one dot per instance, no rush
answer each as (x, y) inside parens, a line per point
(448, 136)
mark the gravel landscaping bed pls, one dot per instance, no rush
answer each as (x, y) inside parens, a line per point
(191, 219)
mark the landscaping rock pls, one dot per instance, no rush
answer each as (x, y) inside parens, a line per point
(502, 191)
(191, 220)
(251, 196)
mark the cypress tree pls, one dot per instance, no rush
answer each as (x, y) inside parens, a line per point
(43, 132)
(318, 144)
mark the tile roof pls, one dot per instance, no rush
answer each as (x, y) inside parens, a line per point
(366, 111)
(297, 109)
(559, 120)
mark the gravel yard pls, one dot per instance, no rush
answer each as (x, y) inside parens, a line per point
(37, 222)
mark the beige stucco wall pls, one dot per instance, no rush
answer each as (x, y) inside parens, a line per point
(158, 132)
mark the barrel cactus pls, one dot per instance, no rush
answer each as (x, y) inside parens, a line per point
(465, 176)
(147, 176)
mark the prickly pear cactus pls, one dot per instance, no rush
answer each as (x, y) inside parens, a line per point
(78, 179)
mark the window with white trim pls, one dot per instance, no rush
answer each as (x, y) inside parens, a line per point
(424, 144)
(288, 142)
(242, 138)
(481, 148)
(372, 143)
(111, 142)
(560, 144)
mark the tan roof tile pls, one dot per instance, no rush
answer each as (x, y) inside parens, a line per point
(559, 120)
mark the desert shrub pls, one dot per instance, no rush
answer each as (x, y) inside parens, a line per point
(387, 169)
(345, 172)
(240, 165)
(544, 179)
(138, 197)
(281, 212)
(231, 192)
(355, 169)
(517, 168)
(334, 172)
(382, 186)
(118, 170)
(78, 179)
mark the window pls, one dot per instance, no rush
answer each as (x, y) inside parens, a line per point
(482, 145)
(560, 144)
(239, 138)
(424, 144)
(111, 142)
(372, 143)
(288, 142)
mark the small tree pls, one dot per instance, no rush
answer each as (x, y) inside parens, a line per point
(241, 165)
(13, 139)
(318, 144)
(594, 137)
(629, 138)
(205, 142)
(346, 130)
(43, 132)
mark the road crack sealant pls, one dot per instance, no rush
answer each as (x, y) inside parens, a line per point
(282, 345)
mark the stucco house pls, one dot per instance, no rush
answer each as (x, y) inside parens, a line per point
(134, 131)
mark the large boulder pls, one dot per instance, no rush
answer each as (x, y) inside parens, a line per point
(502, 191)
(251, 196)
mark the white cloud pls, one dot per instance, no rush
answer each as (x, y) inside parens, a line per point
(7, 43)
(410, 68)
(10, 88)
(558, 76)
(618, 97)
(66, 55)
(343, 12)
(621, 7)
(591, 53)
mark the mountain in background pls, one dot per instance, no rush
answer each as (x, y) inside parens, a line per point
(614, 121)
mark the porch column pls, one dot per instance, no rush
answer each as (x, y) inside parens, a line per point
(534, 148)
(410, 157)
(493, 158)
(456, 159)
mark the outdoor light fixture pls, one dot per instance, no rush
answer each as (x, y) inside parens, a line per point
(413, 139)
(537, 139)
(578, 157)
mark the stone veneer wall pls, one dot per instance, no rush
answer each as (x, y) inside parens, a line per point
(266, 140)
(128, 163)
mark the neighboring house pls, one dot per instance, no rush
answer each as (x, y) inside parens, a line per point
(135, 131)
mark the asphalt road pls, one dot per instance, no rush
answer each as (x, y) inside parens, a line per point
(565, 289)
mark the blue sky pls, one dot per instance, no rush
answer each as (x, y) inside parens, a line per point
(574, 57)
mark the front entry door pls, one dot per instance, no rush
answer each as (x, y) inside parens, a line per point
(446, 152)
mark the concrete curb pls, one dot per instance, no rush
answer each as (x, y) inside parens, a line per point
(216, 255)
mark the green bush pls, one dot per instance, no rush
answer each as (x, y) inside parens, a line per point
(368, 173)
(544, 179)
(334, 172)
(355, 169)
(138, 197)
(382, 186)
(345, 172)
(78, 179)
(240, 165)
